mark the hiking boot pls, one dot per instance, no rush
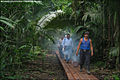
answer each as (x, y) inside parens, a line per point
(80, 70)
(88, 72)
(67, 61)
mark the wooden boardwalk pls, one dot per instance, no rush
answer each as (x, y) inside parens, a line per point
(73, 73)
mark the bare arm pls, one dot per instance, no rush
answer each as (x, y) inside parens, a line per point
(78, 46)
(91, 47)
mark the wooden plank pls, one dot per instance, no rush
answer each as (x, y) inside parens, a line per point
(67, 71)
(93, 77)
(76, 72)
(90, 77)
(73, 72)
(69, 75)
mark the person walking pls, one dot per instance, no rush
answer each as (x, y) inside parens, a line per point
(60, 47)
(67, 47)
(85, 46)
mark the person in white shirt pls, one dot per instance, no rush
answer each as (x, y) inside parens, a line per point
(67, 47)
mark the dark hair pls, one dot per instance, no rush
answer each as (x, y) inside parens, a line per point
(68, 34)
(86, 32)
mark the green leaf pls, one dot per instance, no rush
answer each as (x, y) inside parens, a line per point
(114, 51)
(77, 28)
(69, 4)
(6, 19)
(24, 46)
(50, 38)
(116, 77)
(84, 18)
(7, 23)
(39, 2)
(14, 77)
(1, 28)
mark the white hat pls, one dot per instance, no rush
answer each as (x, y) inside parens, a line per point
(65, 35)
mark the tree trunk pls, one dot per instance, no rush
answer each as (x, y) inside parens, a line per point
(119, 35)
(109, 24)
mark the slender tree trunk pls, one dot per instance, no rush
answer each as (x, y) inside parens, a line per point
(109, 26)
(33, 45)
(119, 35)
(118, 41)
(74, 7)
(103, 30)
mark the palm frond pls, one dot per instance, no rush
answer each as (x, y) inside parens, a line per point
(7, 21)
(77, 28)
(84, 18)
(1, 28)
(48, 18)
(114, 51)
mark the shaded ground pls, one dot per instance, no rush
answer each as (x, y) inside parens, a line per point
(52, 69)
(105, 74)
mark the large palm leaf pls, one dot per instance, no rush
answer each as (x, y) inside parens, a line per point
(48, 18)
(7, 21)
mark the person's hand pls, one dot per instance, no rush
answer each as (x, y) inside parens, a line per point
(58, 46)
(76, 54)
(73, 49)
(91, 53)
(63, 49)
